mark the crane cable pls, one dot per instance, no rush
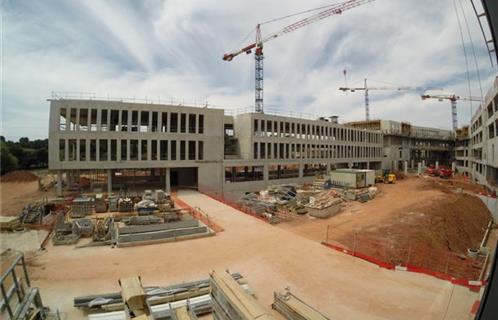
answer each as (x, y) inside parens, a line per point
(473, 50)
(465, 54)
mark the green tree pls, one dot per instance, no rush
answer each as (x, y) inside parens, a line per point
(8, 162)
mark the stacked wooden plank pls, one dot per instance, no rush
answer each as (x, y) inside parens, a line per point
(293, 308)
(231, 302)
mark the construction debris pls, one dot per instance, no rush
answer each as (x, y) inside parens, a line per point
(100, 204)
(230, 301)
(125, 205)
(324, 204)
(81, 207)
(293, 308)
(9, 223)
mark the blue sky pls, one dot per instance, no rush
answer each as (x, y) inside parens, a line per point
(172, 50)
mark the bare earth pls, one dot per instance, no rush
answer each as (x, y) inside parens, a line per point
(271, 258)
(16, 195)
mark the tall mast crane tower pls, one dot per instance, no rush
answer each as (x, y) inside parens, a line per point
(366, 88)
(260, 40)
(453, 101)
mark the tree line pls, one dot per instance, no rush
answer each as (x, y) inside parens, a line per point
(24, 154)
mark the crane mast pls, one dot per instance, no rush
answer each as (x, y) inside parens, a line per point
(453, 102)
(258, 44)
(366, 88)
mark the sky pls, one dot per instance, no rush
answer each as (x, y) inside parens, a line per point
(172, 51)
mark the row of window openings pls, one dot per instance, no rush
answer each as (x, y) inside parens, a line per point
(302, 151)
(76, 150)
(268, 128)
(275, 172)
(129, 120)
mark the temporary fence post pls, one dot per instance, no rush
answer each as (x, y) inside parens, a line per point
(409, 252)
(354, 242)
(447, 263)
(327, 235)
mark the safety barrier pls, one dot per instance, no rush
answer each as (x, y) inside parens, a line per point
(419, 258)
(198, 214)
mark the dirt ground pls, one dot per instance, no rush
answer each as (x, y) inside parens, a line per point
(418, 209)
(270, 258)
(16, 195)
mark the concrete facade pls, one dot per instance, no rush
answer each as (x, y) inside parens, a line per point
(483, 141)
(200, 147)
(405, 143)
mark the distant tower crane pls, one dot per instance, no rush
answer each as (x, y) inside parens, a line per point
(258, 44)
(453, 100)
(366, 88)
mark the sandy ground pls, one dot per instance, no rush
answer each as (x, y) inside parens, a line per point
(271, 258)
(16, 195)
(29, 240)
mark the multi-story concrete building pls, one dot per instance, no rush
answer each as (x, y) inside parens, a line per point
(122, 145)
(408, 144)
(484, 140)
(462, 151)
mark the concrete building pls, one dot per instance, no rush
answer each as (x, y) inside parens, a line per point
(484, 140)
(408, 144)
(122, 145)
(462, 151)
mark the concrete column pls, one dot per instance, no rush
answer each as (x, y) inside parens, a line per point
(368, 165)
(77, 124)
(167, 181)
(149, 146)
(68, 119)
(109, 181)
(453, 167)
(99, 119)
(405, 167)
(328, 168)
(412, 164)
(419, 168)
(437, 164)
(301, 169)
(423, 163)
(159, 121)
(149, 126)
(59, 183)
(266, 174)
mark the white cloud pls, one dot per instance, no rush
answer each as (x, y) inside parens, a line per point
(173, 49)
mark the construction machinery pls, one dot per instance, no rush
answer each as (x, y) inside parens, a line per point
(366, 89)
(334, 9)
(386, 177)
(453, 99)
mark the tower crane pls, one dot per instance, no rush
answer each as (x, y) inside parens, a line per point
(366, 88)
(334, 9)
(453, 101)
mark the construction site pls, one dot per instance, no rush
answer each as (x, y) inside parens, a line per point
(170, 211)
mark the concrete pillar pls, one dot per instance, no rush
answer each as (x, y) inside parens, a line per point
(412, 164)
(168, 180)
(453, 167)
(405, 167)
(328, 168)
(419, 168)
(266, 174)
(301, 169)
(437, 165)
(59, 183)
(368, 165)
(109, 181)
(423, 163)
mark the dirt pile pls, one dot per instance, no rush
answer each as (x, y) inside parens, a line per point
(18, 176)
(452, 222)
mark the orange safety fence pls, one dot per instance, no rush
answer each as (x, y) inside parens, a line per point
(415, 257)
(198, 215)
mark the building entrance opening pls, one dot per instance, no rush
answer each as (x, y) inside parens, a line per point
(184, 178)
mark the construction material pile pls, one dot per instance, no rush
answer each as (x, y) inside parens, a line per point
(81, 207)
(291, 307)
(324, 204)
(125, 205)
(19, 176)
(195, 292)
